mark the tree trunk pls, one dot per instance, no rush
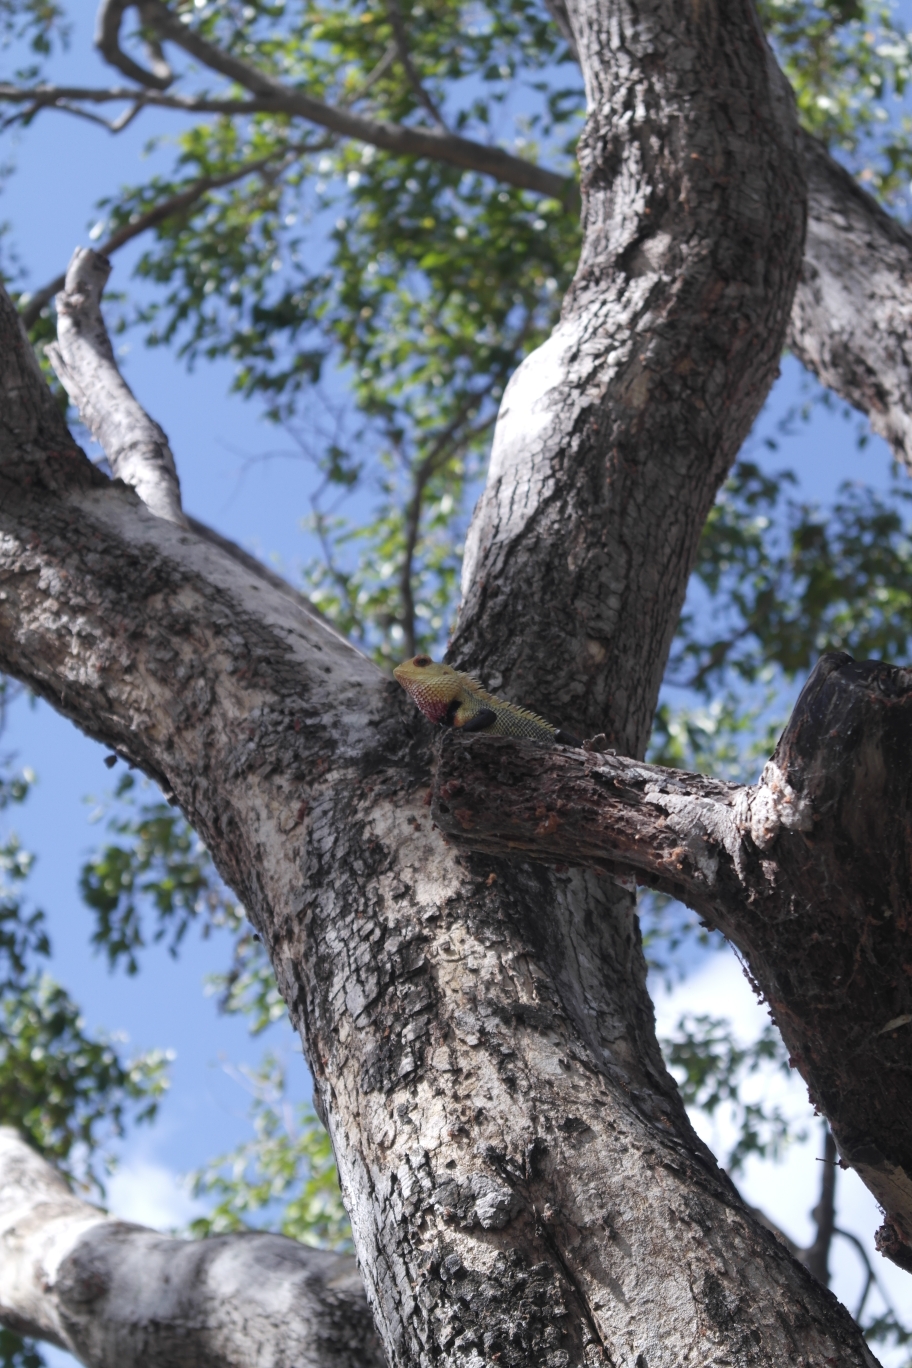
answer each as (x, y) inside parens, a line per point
(524, 1186)
(807, 873)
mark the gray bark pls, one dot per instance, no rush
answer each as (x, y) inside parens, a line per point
(852, 317)
(615, 435)
(806, 872)
(117, 1295)
(136, 447)
(523, 1183)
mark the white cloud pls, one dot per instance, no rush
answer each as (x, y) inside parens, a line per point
(152, 1195)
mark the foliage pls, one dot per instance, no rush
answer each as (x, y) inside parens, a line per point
(784, 580)
(33, 24)
(157, 859)
(712, 1070)
(285, 1176)
(156, 880)
(69, 1092)
(16, 1352)
(846, 60)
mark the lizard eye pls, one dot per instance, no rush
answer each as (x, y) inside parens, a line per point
(421, 661)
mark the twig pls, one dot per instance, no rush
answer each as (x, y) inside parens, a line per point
(441, 448)
(405, 57)
(107, 40)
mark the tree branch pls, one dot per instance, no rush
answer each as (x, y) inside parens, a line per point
(136, 447)
(852, 313)
(107, 40)
(122, 1296)
(561, 16)
(405, 57)
(417, 142)
(131, 439)
(275, 97)
(817, 1256)
(581, 474)
(808, 873)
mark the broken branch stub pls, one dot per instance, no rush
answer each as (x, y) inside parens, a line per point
(840, 949)
(808, 873)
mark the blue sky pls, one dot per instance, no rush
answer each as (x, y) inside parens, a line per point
(62, 167)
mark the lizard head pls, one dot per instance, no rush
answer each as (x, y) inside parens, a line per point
(431, 686)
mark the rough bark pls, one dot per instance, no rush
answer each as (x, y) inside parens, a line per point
(614, 437)
(523, 1183)
(136, 447)
(808, 873)
(121, 1296)
(852, 317)
(521, 1177)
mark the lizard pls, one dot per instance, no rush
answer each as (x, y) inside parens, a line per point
(454, 699)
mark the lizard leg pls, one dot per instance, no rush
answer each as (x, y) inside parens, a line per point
(483, 719)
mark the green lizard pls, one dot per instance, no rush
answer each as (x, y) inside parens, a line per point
(457, 700)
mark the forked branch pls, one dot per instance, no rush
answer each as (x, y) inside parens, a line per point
(808, 873)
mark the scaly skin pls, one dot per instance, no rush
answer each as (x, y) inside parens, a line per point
(457, 700)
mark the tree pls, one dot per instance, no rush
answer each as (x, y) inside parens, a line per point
(522, 1180)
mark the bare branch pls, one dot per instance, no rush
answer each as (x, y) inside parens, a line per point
(446, 443)
(136, 447)
(113, 1293)
(107, 40)
(438, 145)
(816, 1257)
(405, 57)
(278, 98)
(852, 312)
(808, 873)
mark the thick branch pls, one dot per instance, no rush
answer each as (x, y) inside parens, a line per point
(852, 316)
(809, 874)
(119, 1295)
(136, 447)
(614, 436)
